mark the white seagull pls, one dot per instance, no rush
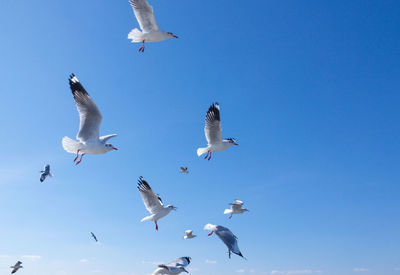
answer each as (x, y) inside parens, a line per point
(213, 132)
(150, 31)
(175, 267)
(184, 170)
(229, 239)
(236, 208)
(16, 267)
(153, 203)
(189, 234)
(89, 127)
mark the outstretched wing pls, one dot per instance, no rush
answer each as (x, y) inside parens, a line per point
(236, 205)
(213, 130)
(229, 239)
(180, 262)
(144, 15)
(107, 137)
(89, 114)
(152, 201)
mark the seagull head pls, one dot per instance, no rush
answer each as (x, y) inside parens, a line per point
(109, 147)
(172, 35)
(231, 141)
(171, 207)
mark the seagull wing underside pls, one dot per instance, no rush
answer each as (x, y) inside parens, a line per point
(180, 262)
(213, 130)
(150, 199)
(144, 15)
(229, 239)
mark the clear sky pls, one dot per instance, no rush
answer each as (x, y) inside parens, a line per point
(310, 89)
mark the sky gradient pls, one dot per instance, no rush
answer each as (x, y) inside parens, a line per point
(310, 90)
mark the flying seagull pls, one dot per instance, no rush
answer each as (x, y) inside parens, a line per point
(16, 267)
(89, 127)
(236, 208)
(46, 172)
(189, 235)
(150, 31)
(184, 170)
(175, 267)
(229, 239)
(213, 134)
(94, 236)
(153, 203)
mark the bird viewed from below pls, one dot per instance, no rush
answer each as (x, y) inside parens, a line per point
(153, 203)
(94, 236)
(89, 127)
(46, 172)
(16, 267)
(175, 267)
(184, 170)
(189, 234)
(213, 132)
(229, 239)
(236, 208)
(150, 31)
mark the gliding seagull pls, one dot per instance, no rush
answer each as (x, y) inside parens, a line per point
(89, 127)
(229, 239)
(46, 172)
(189, 234)
(184, 170)
(213, 132)
(150, 31)
(173, 268)
(153, 203)
(236, 208)
(16, 267)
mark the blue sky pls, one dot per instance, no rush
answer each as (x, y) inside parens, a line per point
(310, 91)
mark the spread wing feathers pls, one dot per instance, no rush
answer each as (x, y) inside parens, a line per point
(107, 137)
(188, 232)
(180, 262)
(47, 169)
(144, 15)
(229, 239)
(89, 114)
(152, 201)
(236, 205)
(213, 130)
(18, 264)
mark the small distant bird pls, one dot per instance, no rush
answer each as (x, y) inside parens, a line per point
(94, 236)
(236, 208)
(213, 132)
(16, 267)
(184, 170)
(89, 127)
(46, 172)
(150, 31)
(229, 239)
(173, 268)
(153, 203)
(189, 234)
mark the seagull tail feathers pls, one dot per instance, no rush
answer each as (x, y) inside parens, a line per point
(201, 151)
(135, 35)
(148, 218)
(70, 145)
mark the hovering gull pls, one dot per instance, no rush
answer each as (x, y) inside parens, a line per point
(213, 134)
(16, 267)
(175, 267)
(153, 203)
(229, 239)
(89, 127)
(150, 31)
(94, 236)
(184, 170)
(46, 172)
(189, 234)
(236, 208)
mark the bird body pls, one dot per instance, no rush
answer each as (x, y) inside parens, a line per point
(150, 32)
(45, 172)
(89, 128)
(189, 234)
(16, 267)
(213, 133)
(153, 203)
(173, 268)
(236, 208)
(228, 238)
(184, 170)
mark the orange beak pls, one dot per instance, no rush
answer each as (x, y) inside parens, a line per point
(211, 233)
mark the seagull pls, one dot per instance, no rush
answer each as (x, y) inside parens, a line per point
(229, 239)
(175, 267)
(189, 235)
(213, 133)
(94, 236)
(236, 208)
(150, 31)
(16, 267)
(184, 170)
(153, 203)
(46, 172)
(89, 127)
